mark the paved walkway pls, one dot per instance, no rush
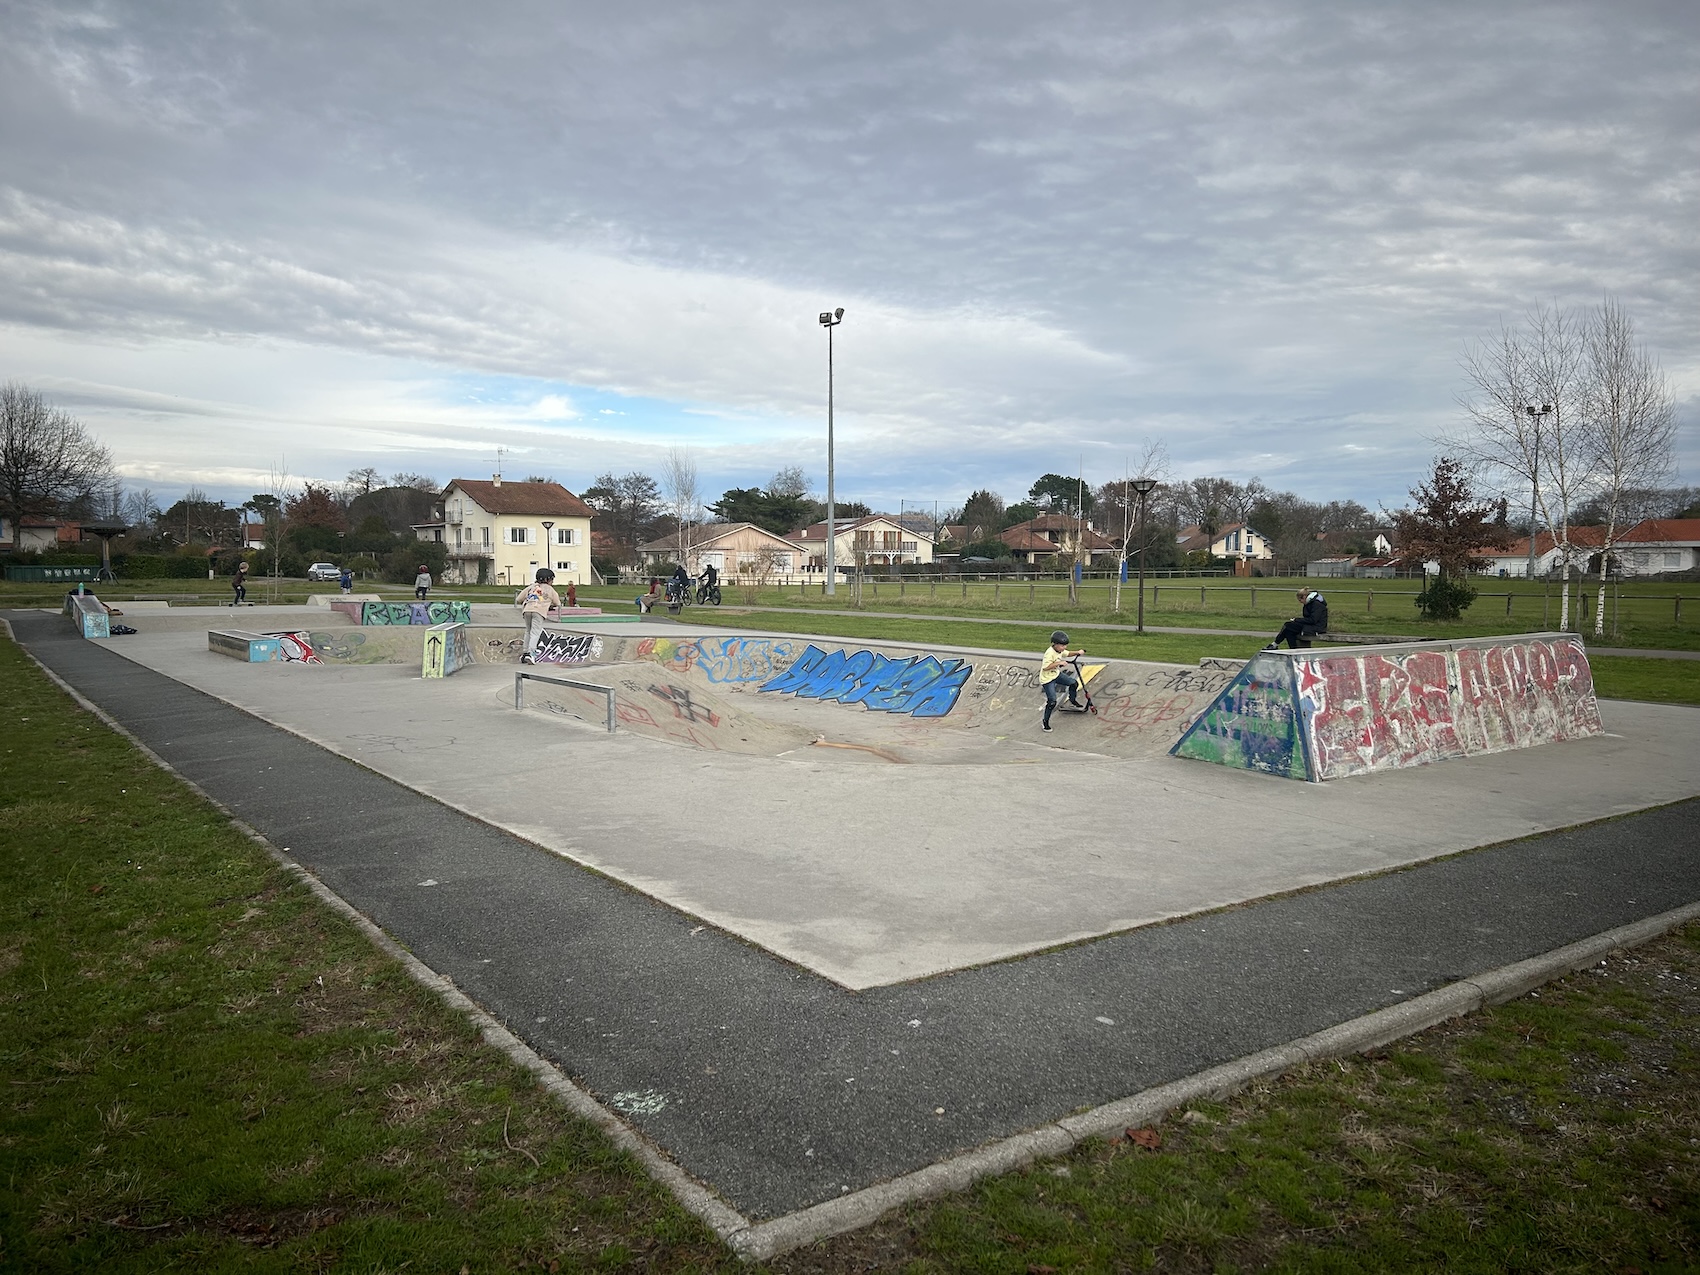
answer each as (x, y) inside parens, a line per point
(780, 1089)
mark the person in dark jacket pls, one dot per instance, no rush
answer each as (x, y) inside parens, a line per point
(1314, 620)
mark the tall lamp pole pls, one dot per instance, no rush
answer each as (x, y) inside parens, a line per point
(1537, 418)
(1144, 486)
(548, 554)
(830, 320)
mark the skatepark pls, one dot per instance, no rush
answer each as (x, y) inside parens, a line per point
(858, 879)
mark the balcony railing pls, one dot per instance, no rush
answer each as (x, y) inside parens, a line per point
(472, 551)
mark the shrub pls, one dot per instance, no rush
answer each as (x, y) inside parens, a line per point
(1444, 599)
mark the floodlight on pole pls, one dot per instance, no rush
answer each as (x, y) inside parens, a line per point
(1143, 487)
(829, 320)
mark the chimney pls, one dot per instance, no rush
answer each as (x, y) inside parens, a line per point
(495, 480)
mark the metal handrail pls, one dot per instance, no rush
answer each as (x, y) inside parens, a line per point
(519, 691)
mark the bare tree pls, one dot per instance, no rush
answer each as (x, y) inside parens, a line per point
(362, 482)
(679, 478)
(47, 458)
(790, 482)
(1631, 425)
(1542, 363)
(1136, 535)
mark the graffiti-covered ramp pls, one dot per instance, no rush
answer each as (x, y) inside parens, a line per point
(1350, 711)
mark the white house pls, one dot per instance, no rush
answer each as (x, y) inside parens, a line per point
(731, 548)
(1658, 545)
(876, 541)
(1236, 540)
(501, 532)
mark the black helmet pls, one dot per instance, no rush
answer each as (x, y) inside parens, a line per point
(545, 576)
(1060, 636)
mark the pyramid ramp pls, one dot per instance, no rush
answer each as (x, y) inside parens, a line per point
(1354, 710)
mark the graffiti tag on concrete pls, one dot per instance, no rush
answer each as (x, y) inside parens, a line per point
(567, 648)
(920, 686)
(296, 648)
(415, 612)
(1337, 715)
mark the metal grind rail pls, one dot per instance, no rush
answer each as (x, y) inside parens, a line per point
(521, 678)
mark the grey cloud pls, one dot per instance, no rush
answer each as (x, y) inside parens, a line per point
(1259, 224)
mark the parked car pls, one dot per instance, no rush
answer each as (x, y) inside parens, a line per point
(324, 571)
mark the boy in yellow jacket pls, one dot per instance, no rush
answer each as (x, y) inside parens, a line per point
(1057, 675)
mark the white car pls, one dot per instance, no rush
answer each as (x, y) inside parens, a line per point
(324, 571)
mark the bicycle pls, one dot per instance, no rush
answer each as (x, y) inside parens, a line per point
(709, 593)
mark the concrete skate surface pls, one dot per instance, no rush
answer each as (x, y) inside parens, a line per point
(796, 825)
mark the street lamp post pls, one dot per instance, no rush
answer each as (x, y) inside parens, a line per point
(1144, 486)
(1537, 418)
(830, 320)
(548, 549)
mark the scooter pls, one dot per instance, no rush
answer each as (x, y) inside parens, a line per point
(1080, 681)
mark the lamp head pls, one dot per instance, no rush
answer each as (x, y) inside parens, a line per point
(1144, 486)
(826, 319)
(838, 313)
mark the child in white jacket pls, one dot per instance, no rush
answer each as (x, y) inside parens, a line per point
(535, 601)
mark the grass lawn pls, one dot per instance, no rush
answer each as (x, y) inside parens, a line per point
(204, 1069)
(1648, 614)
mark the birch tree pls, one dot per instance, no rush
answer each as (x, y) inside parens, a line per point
(1153, 463)
(679, 477)
(1631, 425)
(1543, 362)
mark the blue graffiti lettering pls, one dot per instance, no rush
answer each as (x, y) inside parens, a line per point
(920, 686)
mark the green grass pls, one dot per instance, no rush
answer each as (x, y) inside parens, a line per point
(1654, 680)
(202, 1068)
(1647, 617)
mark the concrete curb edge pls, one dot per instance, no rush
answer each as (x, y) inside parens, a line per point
(1369, 1031)
(758, 1241)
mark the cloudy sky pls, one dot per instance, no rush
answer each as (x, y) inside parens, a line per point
(238, 239)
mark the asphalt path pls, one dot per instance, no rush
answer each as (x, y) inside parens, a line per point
(780, 1090)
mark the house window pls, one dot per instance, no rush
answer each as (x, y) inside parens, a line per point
(521, 535)
(1673, 561)
(485, 531)
(566, 566)
(563, 535)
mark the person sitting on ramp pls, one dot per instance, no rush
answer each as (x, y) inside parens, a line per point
(1302, 628)
(535, 601)
(1057, 675)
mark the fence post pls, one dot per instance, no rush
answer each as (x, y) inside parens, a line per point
(1154, 592)
(964, 578)
(902, 587)
(933, 593)
(1508, 604)
(1369, 602)
(1677, 618)
(1201, 596)
(1254, 597)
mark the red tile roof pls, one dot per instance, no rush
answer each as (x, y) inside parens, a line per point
(541, 499)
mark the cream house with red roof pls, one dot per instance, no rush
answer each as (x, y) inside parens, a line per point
(500, 532)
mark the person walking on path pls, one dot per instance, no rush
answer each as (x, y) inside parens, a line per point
(422, 582)
(346, 580)
(535, 601)
(1303, 627)
(239, 585)
(1057, 675)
